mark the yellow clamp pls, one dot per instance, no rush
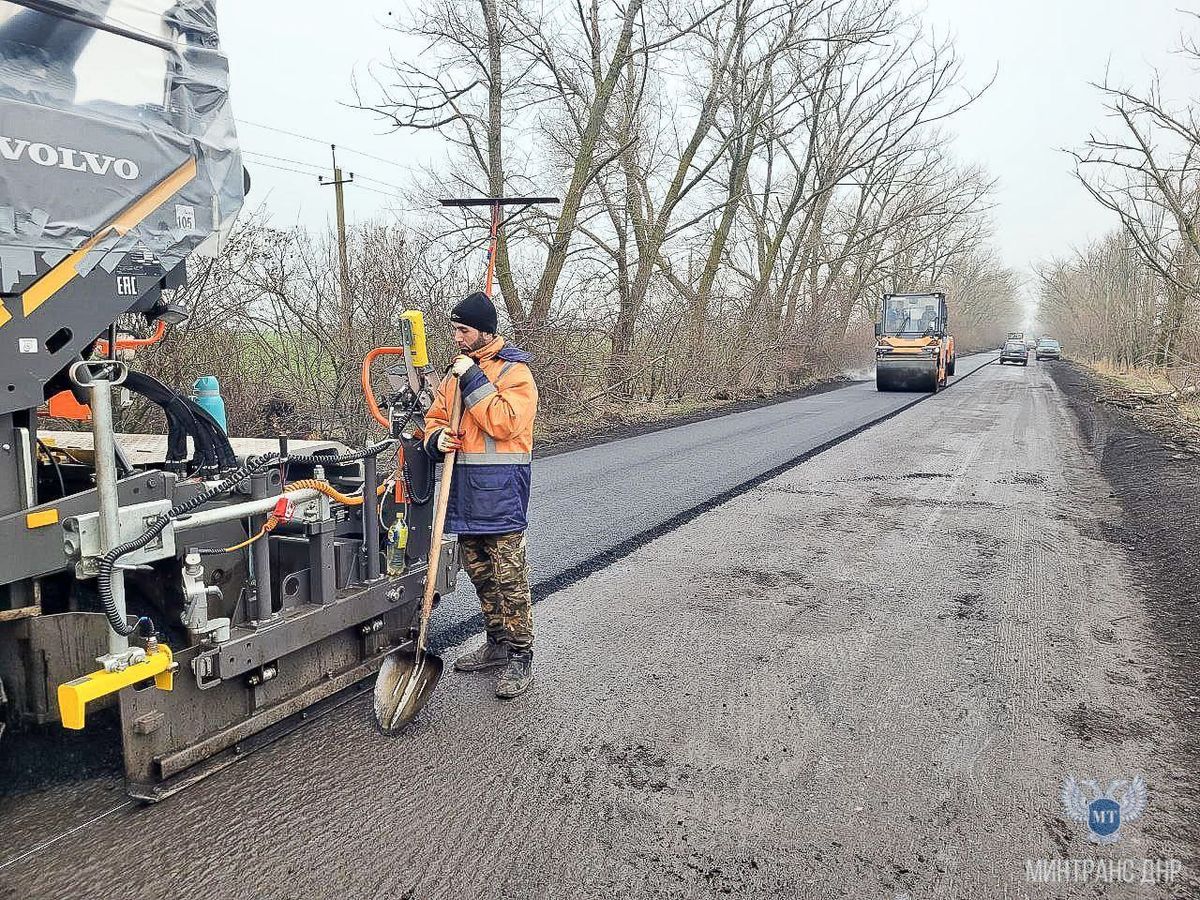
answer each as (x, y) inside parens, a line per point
(74, 696)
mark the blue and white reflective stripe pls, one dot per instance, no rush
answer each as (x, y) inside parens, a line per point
(487, 388)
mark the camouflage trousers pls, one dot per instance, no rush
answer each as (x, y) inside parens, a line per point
(495, 563)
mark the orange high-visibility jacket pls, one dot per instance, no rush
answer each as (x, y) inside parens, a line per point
(490, 491)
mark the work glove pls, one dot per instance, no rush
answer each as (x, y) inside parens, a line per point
(460, 365)
(448, 440)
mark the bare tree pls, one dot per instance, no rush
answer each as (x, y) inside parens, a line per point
(740, 180)
(1104, 302)
(468, 84)
(1147, 172)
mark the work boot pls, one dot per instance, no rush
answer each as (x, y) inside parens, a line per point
(517, 675)
(489, 656)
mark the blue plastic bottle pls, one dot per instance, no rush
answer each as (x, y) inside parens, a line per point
(207, 393)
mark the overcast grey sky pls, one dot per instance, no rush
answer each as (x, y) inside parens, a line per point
(292, 61)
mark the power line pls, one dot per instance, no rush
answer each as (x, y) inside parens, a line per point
(286, 169)
(309, 137)
(283, 159)
(300, 162)
(380, 193)
(377, 181)
(398, 191)
(303, 137)
(361, 187)
(386, 162)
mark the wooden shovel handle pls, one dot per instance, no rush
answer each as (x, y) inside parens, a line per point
(439, 520)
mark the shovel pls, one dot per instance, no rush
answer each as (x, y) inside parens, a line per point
(408, 676)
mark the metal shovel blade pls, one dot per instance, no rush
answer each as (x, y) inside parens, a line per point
(409, 675)
(406, 680)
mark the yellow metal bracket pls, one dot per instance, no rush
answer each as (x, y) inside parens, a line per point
(74, 696)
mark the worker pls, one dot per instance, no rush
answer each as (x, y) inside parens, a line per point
(489, 495)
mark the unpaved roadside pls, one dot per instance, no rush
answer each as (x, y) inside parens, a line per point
(865, 678)
(1157, 486)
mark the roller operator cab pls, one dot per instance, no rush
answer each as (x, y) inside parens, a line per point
(914, 350)
(208, 587)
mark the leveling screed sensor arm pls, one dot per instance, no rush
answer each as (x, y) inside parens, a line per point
(108, 561)
(496, 204)
(253, 466)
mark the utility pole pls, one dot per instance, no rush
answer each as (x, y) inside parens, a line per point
(339, 197)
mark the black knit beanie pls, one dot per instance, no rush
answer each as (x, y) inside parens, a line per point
(477, 311)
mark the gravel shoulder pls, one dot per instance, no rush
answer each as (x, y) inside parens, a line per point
(866, 677)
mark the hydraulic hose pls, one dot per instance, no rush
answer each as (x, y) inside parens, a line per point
(409, 490)
(58, 472)
(253, 465)
(321, 459)
(108, 561)
(406, 473)
(324, 487)
(226, 456)
(213, 449)
(178, 425)
(368, 393)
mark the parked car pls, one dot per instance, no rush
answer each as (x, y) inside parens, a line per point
(1014, 352)
(1048, 348)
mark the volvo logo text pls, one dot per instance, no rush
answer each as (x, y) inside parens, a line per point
(52, 156)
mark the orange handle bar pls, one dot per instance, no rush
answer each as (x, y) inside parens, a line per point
(160, 331)
(368, 393)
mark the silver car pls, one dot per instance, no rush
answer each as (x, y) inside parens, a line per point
(1048, 348)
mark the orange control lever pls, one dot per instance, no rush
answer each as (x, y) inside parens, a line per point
(160, 331)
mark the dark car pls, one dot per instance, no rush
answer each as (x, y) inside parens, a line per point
(1048, 348)
(1014, 352)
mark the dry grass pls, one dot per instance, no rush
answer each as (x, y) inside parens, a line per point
(1165, 399)
(611, 417)
(1137, 380)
